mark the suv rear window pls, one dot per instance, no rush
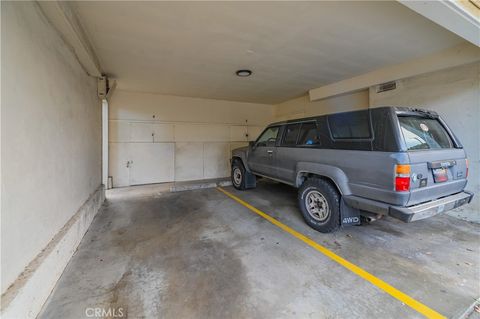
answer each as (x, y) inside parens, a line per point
(308, 134)
(350, 125)
(424, 133)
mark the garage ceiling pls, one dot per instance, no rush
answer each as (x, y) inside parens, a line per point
(193, 49)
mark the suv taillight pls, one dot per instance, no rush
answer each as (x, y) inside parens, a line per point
(402, 178)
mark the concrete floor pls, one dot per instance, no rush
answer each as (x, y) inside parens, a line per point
(199, 254)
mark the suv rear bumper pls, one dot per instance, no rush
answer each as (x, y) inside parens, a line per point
(425, 210)
(412, 213)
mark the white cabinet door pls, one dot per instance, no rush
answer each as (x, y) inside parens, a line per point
(238, 133)
(151, 163)
(163, 133)
(202, 133)
(188, 161)
(118, 168)
(141, 132)
(216, 160)
(118, 131)
(254, 132)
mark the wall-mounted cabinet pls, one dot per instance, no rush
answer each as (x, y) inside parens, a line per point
(144, 152)
(155, 132)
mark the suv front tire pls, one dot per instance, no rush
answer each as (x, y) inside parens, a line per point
(319, 202)
(238, 175)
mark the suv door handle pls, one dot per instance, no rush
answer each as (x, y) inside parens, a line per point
(270, 152)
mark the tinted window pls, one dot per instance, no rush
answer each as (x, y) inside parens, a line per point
(269, 136)
(351, 125)
(308, 134)
(424, 133)
(291, 133)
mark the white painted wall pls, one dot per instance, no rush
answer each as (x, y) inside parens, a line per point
(170, 138)
(302, 106)
(455, 94)
(51, 139)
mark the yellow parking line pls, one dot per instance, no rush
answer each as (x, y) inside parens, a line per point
(394, 292)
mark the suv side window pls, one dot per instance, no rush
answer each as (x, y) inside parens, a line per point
(350, 125)
(308, 134)
(291, 134)
(268, 137)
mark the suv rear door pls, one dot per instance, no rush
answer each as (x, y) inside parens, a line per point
(438, 162)
(296, 145)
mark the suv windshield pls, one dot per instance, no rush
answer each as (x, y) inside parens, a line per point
(424, 133)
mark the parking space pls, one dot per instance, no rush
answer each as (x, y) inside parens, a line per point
(200, 254)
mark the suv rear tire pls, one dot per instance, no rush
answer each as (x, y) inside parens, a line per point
(238, 175)
(319, 202)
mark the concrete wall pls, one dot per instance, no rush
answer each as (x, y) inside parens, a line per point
(50, 149)
(171, 138)
(301, 107)
(455, 94)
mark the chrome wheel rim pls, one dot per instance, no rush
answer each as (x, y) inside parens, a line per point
(317, 206)
(237, 176)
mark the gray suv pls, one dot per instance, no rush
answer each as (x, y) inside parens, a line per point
(388, 161)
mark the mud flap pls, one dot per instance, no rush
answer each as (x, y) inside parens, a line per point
(250, 180)
(349, 216)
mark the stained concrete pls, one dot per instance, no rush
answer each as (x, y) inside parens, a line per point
(149, 190)
(199, 254)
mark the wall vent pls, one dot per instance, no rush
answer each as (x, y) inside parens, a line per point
(388, 86)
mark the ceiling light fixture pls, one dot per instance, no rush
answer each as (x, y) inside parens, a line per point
(243, 73)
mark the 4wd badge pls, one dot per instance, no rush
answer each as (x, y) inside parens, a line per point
(350, 220)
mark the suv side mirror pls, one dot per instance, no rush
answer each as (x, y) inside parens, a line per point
(251, 144)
